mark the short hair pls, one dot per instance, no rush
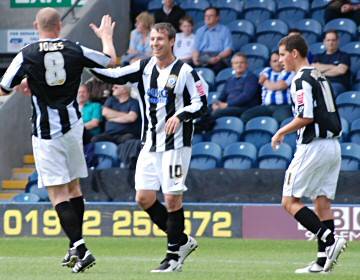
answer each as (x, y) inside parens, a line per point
(295, 42)
(165, 26)
(48, 19)
(85, 86)
(189, 19)
(294, 30)
(217, 11)
(332, 31)
(274, 52)
(147, 19)
(239, 54)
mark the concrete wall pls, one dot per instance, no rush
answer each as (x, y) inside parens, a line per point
(15, 132)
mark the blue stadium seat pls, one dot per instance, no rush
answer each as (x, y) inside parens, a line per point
(195, 8)
(257, 55)
(106, 154)
(354, 134)
(353, 49)
(220, 87)
(350, 156)
(292, 11)
(227, 130)
(154, 5)
(349, 105)
(338, 88)
(259, 10)
(212, 97)
(197, 138)
(223, 75)
(345, 130)
(346, 28)
(41, 193)
(310, 29)
(317, 48)
(26, 197)
(275, 159)
(242, 32)
(269, 32)
(318, 9)
(208, 76)
(259, 130)
(289, 139)
(239, 155)
(229, 9)
(205, 155)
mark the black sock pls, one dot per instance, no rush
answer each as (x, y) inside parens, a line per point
(311, 222)
(70, 224)
(175, 230)
(158, 215)
(321, 259)
(78, 205)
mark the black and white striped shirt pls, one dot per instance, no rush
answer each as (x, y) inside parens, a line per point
(53, 68)
(174, 90)
(312, 97)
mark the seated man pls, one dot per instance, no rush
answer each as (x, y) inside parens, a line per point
(240, 90)
(122, 117)
(213, 42)
(334, 64)
(275, 93)
(91, 114)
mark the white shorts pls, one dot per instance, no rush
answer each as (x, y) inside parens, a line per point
(314, 170)
(61, 160)
(167, 170)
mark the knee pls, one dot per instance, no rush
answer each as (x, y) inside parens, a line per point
(143, 200)
(173, 203)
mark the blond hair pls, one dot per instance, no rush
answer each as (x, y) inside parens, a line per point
(147, 19)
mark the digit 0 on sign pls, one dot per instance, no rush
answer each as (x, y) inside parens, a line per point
(12, 222)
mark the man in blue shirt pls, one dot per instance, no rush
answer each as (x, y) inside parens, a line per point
(334, 64)
(122, 117)
(213, 42)
(275, 93)
(240, 91)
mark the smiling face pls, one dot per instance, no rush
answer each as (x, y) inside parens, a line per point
(160, 44)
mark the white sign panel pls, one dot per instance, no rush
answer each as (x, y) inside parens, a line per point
(19, 38)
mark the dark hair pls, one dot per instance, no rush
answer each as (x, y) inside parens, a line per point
(295, 42)
(274, 52)
(213, 8)
(332, 31)
(165, 26)
(189, 19)
(240, 54)
(295, 30)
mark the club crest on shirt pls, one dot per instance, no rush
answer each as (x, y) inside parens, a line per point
(171, 81)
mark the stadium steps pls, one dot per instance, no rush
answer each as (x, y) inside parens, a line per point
(19, 179)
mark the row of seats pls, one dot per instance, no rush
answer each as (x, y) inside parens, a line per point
(254, 10)
(270, 31)
(245, 155)
(258, 57)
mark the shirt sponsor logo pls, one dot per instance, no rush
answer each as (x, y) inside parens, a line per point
(200, 88)
(157, 95)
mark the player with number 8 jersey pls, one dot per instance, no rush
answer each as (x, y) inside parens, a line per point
(53, 68)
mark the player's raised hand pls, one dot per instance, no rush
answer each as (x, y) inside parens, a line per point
(106, 27)
(172, 125)
(23, 88)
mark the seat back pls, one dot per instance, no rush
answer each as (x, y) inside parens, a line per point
(224, 75)
(346, 28)
(317, 48)
(353, 49)
(208, 75)
(205, 155)
(257, 55)
(229, 9)
(348, 105)
(289, 139)
(259, 130)
(242, 32)
(354, 133)
(259, 10)
(310, 29)
(274, 159)
(227, 130)
(269, 32)
(240, 155)
(350, 154)
(291, 11)
(26, 197)
(195, 8)
(106, 154)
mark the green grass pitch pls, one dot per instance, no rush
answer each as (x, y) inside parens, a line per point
(133, 258)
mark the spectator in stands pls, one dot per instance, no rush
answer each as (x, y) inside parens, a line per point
(91, 114)
(275, 93)
(333, 63)
(98, 90)
(184, 41)
(170, 13)
(122, 117)
(295, 31)
(213, 42)
(139, 46)
(342, 9)
(240, 91)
